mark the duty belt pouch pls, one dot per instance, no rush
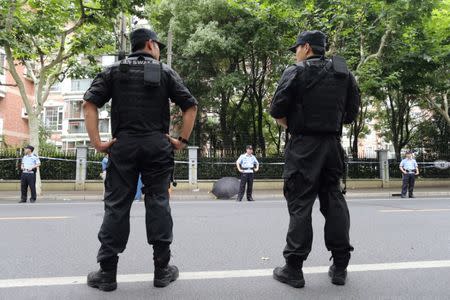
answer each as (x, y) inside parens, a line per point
(339, 65)
(152, 74)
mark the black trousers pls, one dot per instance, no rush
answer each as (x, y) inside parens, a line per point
(246, 179)
(152, 156)
(408, 183)
(314, 167)
(28, 180)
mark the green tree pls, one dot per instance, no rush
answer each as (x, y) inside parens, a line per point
(48, 36)
(404, 67)
(437, 37)
(229, 54)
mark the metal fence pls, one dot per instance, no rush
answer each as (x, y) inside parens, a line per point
(60, 166)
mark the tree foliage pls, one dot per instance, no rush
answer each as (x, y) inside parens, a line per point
(231, 54)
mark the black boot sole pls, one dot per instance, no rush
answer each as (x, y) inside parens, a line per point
(160, 283)
(294, 283)
(106, 287)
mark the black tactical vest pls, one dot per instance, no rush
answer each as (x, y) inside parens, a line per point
(319, 109)
(139, 97)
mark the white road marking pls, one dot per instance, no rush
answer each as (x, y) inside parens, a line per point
(206, 275)
(414, 210)
(34, 218)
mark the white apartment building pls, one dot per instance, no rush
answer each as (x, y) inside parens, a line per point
(63, 114)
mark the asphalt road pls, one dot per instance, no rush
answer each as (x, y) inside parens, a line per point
(226, 250)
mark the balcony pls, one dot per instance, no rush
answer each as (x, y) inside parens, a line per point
(77, 126)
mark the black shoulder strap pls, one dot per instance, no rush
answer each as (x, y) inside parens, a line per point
(321, 74)
(319, 77)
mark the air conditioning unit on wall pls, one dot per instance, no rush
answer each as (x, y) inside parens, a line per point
(24, 113)
(2, 87)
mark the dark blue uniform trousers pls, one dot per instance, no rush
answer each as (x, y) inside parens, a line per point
(246, 179)
(314, 166)
(152, 156)
(28, 180)
(408, 182)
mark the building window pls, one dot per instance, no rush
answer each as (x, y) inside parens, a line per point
(53, 117)
(80, 85)
(74, 109)
(69, 147)
(103, 126)
(76, 127)
(56, 87)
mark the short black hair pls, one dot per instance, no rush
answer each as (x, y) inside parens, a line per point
(139, 46)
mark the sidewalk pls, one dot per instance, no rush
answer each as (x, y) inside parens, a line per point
(180, 195)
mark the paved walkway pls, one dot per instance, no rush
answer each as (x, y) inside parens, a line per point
(205, 195)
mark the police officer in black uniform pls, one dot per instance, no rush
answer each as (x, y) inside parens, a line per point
(313, 99)
(140, 87)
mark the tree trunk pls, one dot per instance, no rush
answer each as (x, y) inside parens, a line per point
(33, 124)
(355, 147)
(261, 140)
(223, 121)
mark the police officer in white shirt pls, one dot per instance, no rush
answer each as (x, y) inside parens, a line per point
(247, 164)
(410, 170)
(30, 163)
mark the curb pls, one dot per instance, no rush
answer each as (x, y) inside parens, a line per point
(202, 196)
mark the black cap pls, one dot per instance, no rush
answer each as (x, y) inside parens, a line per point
(249, 147)
(314, 38)
(143, 35)
(30, 147)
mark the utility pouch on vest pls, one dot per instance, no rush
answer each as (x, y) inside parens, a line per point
(124, 67)
(339, 65)
(152, 74)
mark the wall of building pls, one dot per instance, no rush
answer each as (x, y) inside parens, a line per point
(15, 130)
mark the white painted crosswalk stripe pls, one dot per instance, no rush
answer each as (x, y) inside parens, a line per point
(34, 218)
(415, 210)
(205, 275)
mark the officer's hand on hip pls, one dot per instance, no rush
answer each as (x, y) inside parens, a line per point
(104, 146)
(176, 144)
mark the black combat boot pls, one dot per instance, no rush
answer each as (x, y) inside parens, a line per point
(164, 276)
(291, 273)
(105, 278)
(164, 273)
(338, 270)
(102, 280)
(338, 275)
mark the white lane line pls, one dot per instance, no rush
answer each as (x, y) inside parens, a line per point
(205, 275)
(35, 218)
(414, 210)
